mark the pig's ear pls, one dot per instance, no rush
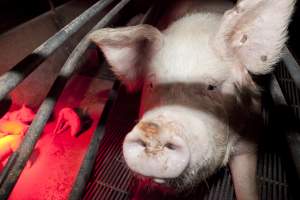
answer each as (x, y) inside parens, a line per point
(128, 50)
(253, 33)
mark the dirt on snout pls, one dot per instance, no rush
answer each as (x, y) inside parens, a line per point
(149, 128)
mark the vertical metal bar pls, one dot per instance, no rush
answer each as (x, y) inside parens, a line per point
(47, 106)
(86, 167)
(292, 66)
(90, 156)
(10, 79)
(291, 135)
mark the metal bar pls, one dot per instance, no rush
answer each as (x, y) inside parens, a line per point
(47, 106)
(292, 66)
(291, 134)
(90, 156)
(8, 166)
(10, 79)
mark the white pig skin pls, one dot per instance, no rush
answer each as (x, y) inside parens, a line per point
(200, 107)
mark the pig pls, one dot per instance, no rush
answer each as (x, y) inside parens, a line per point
(67, 119)
(200, 106)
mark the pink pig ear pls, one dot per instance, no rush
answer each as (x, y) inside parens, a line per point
(128, 50)
(253, 33)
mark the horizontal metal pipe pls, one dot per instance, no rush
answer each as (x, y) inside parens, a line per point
(90, 156)
(10, 79)
(47, 106)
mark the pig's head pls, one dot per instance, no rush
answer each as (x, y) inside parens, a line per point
(191, 76)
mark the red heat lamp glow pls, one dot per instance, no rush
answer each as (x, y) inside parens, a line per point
(13, 126)
(56, 159)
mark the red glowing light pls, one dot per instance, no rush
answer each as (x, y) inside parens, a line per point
(24, 115)
(13, 126)
(57, 156)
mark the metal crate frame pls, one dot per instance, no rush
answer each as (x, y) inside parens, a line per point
(284, 91)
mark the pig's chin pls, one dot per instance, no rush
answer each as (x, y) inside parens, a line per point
(189, 179)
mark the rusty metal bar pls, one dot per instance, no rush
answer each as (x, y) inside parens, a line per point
(10, 79)
(45, 110)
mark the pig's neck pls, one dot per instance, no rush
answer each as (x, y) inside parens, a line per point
(179, 8)
(186, 54)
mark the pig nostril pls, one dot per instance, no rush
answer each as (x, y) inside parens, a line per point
(142, 143)
(170, 146)
(160, 158)
(211, 87)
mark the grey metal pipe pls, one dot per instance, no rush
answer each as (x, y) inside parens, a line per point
(10, 79)
(292, 66)
(45, 110)
(291, 133)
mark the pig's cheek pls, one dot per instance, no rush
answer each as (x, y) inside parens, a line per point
(148, 98)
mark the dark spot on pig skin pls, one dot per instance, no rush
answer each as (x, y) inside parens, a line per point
(244, 39)
(149, 128)
(263, 58)
(151, 85)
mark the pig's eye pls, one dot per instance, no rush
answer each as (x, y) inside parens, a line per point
(170, 146)
(211, 87)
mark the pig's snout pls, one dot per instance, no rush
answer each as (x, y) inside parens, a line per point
(153, 152)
